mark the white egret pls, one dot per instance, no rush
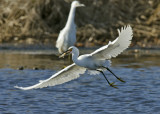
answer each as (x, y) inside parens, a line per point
(98, 61)
(67, 36)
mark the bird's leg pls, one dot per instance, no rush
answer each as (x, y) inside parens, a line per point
(114, 74)
(111, 84)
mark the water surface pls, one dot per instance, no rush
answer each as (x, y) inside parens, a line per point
(87, 94)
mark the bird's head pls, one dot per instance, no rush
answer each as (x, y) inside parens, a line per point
(66, 52)
(77, 4)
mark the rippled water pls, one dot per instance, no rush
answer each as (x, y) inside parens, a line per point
(86, 95)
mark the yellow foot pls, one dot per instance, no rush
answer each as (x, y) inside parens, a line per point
(121, 80)
(112, 85)
(63, 67)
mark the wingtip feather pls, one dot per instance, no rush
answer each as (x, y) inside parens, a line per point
(22, 88)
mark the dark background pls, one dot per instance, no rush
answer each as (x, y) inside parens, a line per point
(37, 22)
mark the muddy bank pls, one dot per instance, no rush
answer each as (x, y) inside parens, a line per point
(39, 22)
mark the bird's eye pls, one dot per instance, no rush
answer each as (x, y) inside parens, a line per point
(70, 49)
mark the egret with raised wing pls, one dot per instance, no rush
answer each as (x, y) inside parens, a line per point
(67, 36)
(97, 61)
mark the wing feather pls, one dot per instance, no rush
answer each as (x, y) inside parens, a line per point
(117, 46)
(67, 74)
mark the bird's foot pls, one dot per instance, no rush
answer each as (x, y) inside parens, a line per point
(121, 80)
(63, 67)
(112, 85)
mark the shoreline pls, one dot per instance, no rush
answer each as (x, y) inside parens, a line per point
(51, 50)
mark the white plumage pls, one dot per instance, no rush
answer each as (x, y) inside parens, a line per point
(98, 60)
(69, 73)
(67, 36)
(117, 46)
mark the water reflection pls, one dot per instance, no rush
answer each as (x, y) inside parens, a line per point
(137, 61)
(30, 61)
(51, 61)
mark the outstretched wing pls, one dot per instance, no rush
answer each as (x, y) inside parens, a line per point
(117, 46)
(67, 74)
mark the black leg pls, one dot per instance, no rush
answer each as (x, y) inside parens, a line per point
(114, 74)
(111, 84)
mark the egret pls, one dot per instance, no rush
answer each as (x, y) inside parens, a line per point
(97, 61)
(67, 36)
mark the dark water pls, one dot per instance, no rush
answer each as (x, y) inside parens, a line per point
(86, 95)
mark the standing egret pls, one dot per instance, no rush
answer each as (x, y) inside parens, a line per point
(98, 61)
(67, 36)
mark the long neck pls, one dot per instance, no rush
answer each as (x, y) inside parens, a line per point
(75, 57)
(71, 16)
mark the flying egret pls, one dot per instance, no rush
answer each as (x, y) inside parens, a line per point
(67, 36)
(99, 60)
